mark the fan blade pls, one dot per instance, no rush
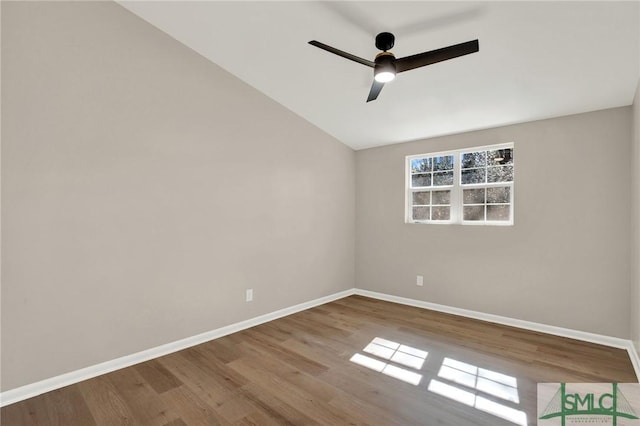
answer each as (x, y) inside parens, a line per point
(427, 58)
(376, 88)
(342, 53)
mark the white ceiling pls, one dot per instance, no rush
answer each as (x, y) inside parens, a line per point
(536, 59)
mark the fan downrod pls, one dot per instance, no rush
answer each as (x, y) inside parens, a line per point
(385, 41)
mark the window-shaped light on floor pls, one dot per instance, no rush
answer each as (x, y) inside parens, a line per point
(455, 393)
(491, 382)
(401, 354)
(469, 382)
(391, 358)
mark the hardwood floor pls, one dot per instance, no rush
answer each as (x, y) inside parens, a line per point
(297, 370)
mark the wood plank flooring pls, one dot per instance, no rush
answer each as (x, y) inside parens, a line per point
(298, 370)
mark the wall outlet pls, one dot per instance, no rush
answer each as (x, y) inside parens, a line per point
(419, 280)
(249, 295)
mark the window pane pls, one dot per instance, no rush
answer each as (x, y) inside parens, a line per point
(499, 195)
(500, 174)
(421, 213)
(473, 196)
(440, 213)
(443, 163)
(500, 156)
(421, 198)
(472, 186)
(473, 213)
(474, 159)
(441, 197)
(443, 178)
(418, 181)
(473, 176)
(498, 212)
(421, 165)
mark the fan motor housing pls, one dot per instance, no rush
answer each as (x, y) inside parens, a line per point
(386, 61)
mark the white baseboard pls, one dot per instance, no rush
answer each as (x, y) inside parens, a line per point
(34, 389)
(527, 325)
(635, 358)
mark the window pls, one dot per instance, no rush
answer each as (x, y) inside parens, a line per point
(468, 186)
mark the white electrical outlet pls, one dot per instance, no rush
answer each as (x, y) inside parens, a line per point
(419, 280)
(249, 295)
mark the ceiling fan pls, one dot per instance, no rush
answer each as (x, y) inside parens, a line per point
(386, 66)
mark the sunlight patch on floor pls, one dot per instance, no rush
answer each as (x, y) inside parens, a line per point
(396, 357)
(479, 380)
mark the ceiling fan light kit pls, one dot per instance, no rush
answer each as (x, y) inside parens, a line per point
(385, 69)
(386, 66)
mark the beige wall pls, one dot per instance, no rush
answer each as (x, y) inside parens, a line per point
(144, 189)
(565, 262)
(635, 223)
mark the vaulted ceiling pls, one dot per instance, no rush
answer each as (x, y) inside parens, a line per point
(536, 60)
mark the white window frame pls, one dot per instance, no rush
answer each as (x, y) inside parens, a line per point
(456, 188)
